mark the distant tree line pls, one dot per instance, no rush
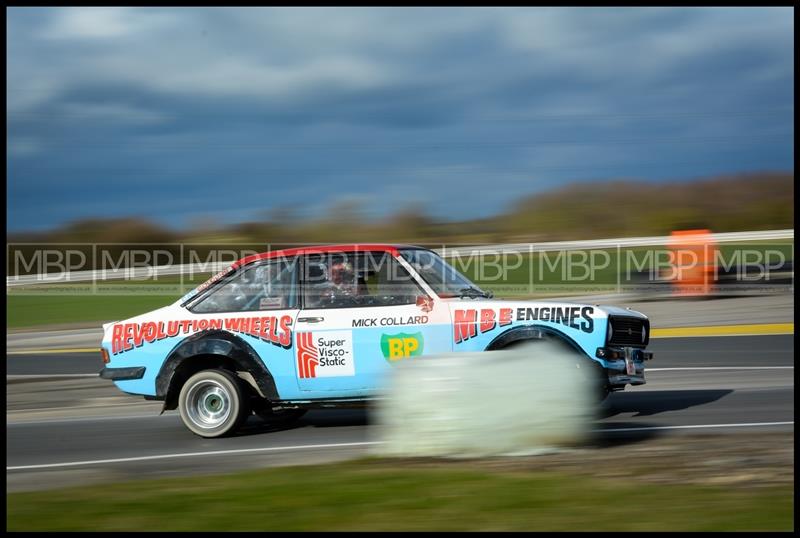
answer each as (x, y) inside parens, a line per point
(756, 201)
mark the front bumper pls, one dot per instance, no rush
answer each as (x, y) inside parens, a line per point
(624, 365)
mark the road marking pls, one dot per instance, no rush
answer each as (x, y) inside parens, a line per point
(189, 455)
(48, 351)
(697, 426)
(340, 445)
(38, 376)
(721, 368)
(35, 422)
(724, 330)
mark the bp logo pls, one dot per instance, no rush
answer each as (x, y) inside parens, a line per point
(400, 346)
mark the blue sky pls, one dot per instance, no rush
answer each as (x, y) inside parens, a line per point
(181, 114)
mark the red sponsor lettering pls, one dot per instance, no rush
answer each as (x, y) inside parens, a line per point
(276, 331)
(138, 336)
(263, 329)
(173, 327)
(273, 330)
(286, 334)
(126, 338)
(506, 316)
(116, 339)
(487, 319)
(233, 324)
(149, 331)
(464, 325)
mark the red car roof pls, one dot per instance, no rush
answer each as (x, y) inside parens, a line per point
(322, 249)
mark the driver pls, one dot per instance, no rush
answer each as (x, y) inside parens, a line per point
(342, 283)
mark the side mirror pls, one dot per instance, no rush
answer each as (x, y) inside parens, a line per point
(425, 303)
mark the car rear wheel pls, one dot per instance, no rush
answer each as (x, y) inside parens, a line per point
(212, 403)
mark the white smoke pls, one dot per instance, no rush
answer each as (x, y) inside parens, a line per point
(526, 400)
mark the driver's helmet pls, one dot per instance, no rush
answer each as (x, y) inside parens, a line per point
(343, 278)
(342, 273)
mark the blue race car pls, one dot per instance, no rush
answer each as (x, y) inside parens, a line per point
(281, 332)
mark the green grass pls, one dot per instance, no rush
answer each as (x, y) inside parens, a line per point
(32, 311)
(380, 495)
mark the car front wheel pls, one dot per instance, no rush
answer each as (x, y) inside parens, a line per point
(212, 403)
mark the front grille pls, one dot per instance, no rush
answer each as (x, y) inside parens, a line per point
(624, 331)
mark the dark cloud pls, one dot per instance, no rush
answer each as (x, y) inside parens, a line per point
(170, 113)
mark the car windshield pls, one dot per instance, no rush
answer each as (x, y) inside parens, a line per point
(445, 280)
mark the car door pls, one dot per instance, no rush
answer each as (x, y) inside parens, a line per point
(360, 317)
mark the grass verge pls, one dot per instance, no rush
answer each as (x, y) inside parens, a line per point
(382, 495)
(34, 311)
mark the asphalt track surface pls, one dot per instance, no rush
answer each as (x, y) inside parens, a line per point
(730, 385)
(54, 363)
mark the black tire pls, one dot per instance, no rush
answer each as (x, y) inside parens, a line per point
(213, 404)
(603, 389)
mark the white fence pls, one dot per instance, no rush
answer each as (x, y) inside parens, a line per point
(213, 267)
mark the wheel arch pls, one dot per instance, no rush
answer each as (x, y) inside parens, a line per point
(537, 332)
(211, 349)
(531, 332)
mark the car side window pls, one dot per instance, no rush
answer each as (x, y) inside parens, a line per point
(263, 286)
(347, 279)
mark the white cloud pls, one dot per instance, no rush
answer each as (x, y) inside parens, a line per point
(103, 23)
(118, 113)
(282, 54)
(204, 52)
(245, 76)
(639, 42)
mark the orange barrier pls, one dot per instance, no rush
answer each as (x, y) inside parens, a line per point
(693, 254)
